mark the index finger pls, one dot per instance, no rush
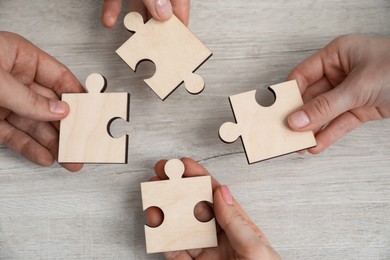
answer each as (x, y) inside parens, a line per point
(181, 8)
(56, 76)
(308, 72)
(331, 62)
(163, 9)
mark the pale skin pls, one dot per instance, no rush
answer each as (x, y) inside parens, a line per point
(238, 236)
(344, 85)
(160, 10)
(31, 83)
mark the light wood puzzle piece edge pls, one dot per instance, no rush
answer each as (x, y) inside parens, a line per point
(134, 55)
(85, 135)
(252, 122)
(177, 198)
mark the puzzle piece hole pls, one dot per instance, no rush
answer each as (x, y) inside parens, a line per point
(145, 69)
(154, 217)
(118, 127)
(203, 211)
(265, 97)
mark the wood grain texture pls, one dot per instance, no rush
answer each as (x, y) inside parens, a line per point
(177, 198)
(334, 205)
(85, 135)
(263, 129)
(171, 46)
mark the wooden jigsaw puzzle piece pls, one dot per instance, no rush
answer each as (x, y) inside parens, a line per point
(84, 134)
(177, 198)
(135, 49)
(171, 46)
(264, 130)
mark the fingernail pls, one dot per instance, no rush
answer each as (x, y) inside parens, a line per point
(227, 196)
(109, 20)
(164, 9)
(298, 119)
(57, 107)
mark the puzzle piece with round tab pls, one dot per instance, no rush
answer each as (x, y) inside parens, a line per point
(85, 133)
(171, 46)
(263, 130)
(177, 197)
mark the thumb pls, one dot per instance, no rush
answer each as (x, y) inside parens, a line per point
(240, 233)
(160, 9)
(321, 109)
(20, 99)
(111, 11)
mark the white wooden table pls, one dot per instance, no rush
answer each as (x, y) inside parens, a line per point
(335, 205)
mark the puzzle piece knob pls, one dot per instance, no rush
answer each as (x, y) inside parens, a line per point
(194, 83)
(229, 132)
(133, 21)
(95, 83)
(174, 169)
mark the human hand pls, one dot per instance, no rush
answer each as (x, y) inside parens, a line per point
(238, 236)
(158, 9)
(345, 84)
(31, 82)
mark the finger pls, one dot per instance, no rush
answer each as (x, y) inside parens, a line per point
(177, 255)
(239, 230)
(320, 87)
(245, 216)
(203, 212)
(154, 216)
(159, 169)
(181, 8)
(43, 133)
(111, 11)
(322, 109)
(308, 72)
(27, 103)
(154, 178)
(33, 64)
(148, 16)
(43, 91)
(40, 133)
(159, 9)
(195, 253)
(48, 93)
(22, 143)
(336, 129)
(193, 169)
(54, 75)
(324, 63)
(72, 167)
(4, 113)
